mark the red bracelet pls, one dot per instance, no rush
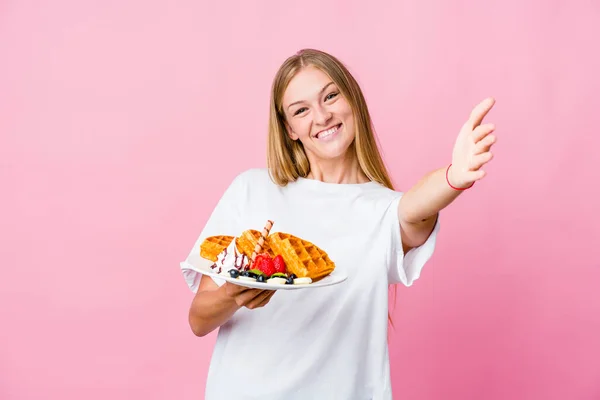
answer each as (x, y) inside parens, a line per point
(453, 187)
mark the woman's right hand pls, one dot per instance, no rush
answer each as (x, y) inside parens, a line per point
(213, 305)
(248, 297)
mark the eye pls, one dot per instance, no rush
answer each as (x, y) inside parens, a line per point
(300, 110)
(331, 96)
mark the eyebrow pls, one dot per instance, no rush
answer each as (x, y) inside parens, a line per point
(320, 93)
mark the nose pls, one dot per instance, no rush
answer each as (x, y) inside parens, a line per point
(322, 116)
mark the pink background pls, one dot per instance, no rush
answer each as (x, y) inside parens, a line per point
(107, 176)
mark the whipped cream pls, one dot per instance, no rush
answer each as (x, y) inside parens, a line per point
(229, 259)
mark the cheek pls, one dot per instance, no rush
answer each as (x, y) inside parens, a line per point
(348, 111)
(349, 118)
(345, 111)
(300, 128)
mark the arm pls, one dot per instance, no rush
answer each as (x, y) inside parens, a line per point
(419, 207)
(214, 305)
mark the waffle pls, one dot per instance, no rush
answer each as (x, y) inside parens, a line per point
(247, 241)
(301, 257)
(212, 246)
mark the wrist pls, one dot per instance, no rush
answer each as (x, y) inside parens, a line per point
(455, 184)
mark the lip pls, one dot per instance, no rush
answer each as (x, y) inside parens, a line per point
(340, 125)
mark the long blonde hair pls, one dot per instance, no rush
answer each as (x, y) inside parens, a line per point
(286, 158)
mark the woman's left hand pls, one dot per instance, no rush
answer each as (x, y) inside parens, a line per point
(472, 148)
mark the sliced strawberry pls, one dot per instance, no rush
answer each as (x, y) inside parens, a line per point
(279, 264)
(258, 258)
(264, 263)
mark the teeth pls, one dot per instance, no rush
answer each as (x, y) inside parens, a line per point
(328, 132)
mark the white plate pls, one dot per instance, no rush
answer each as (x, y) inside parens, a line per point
(202, 265)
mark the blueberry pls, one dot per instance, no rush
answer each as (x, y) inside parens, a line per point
(293, 276)
(289, 280)
(244, 273)
(260, 278)
(252, 275)
(234, 273)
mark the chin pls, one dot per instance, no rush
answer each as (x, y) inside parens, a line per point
(331, 154)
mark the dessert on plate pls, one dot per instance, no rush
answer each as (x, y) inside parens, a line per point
(262, 257)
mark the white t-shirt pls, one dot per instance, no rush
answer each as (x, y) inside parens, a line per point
(322, 343)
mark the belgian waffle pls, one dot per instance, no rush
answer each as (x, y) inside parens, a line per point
(246, 243)
(302, 258)
(212, 246)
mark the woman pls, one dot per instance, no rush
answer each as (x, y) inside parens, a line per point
(326, 183)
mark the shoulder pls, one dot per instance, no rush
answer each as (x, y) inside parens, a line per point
(380, 199)
(250, 178)
(379, 192)
(252, 175)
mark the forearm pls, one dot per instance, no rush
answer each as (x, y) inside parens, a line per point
(427, 198)
(210, 309)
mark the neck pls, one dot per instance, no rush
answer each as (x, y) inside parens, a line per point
(343, 170)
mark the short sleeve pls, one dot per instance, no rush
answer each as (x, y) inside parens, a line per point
(406, 268)
(224, 220)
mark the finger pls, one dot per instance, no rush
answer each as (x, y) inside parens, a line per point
(485, 144)
(234, 290)
(479, 160)
(260, 300)
(269, 296)
(473, 176)
(244, 298)
(482, 131)
(479, 112)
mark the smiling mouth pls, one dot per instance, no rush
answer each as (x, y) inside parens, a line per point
(328, 132)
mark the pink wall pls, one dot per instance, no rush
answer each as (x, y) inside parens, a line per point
(106, 110)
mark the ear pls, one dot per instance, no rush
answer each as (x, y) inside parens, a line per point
(290, 132)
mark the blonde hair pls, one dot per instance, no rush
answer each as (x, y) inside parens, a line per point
(286, 158)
